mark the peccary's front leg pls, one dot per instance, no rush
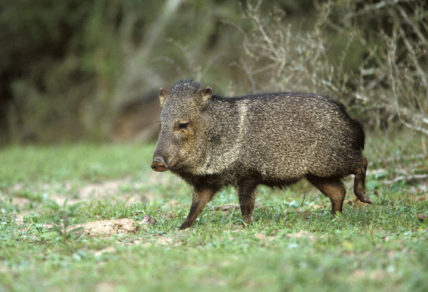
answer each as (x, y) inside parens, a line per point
(201, 196)
(247, 198)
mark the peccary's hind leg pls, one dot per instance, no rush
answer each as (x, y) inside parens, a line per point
(360, 182)
(247, 197)
(332, 188)
(201, 196)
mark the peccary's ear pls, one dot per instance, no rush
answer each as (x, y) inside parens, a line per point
(203, 96)
(162, 96)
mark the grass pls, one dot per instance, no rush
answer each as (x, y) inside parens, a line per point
(294, 244)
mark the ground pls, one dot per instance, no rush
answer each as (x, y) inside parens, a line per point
(53, 198)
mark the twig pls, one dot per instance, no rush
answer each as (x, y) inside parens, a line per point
(405, 178)
(397, 159)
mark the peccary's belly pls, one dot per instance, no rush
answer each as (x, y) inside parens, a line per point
(285, 163)
(279, 166)
(282, 172)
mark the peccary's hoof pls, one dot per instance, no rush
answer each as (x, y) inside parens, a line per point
(365, 199)
(245, 225)
(185, 225)
(248, 220)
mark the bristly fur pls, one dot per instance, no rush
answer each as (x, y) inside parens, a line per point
(274, 139)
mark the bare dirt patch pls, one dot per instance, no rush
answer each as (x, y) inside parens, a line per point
(107, 227)
(122, 189)
(110, 227)
(20, 202)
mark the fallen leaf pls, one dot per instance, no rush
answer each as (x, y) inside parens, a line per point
(421, 198)
(109, 249)
(422, 217)
(231, 207)
(164, 240)
(263, 237)
(173, 203)
(301, 234)
(227, 207)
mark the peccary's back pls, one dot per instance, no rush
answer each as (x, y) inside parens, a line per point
(288, 135)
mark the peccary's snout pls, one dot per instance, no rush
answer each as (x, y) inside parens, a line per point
(159, 164)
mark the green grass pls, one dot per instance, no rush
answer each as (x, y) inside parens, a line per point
(294, 244)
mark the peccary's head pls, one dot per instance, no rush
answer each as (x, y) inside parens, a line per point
(180, 146)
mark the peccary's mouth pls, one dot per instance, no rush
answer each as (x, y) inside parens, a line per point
(159, 164)
(175, 165)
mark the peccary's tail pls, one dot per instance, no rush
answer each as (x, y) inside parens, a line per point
(360, 182)
(359, 138)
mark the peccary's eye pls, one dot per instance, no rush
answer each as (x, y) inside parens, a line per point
(183, 125)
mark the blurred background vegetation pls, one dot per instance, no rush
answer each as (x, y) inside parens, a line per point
(90, 70)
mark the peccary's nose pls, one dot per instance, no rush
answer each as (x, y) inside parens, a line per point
(159, 164)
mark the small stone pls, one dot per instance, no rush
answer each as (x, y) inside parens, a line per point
(148, 220)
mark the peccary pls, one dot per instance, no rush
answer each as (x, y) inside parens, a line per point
(273, 139)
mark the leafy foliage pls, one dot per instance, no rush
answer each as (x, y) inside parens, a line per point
(67, 64)
(60, 219)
